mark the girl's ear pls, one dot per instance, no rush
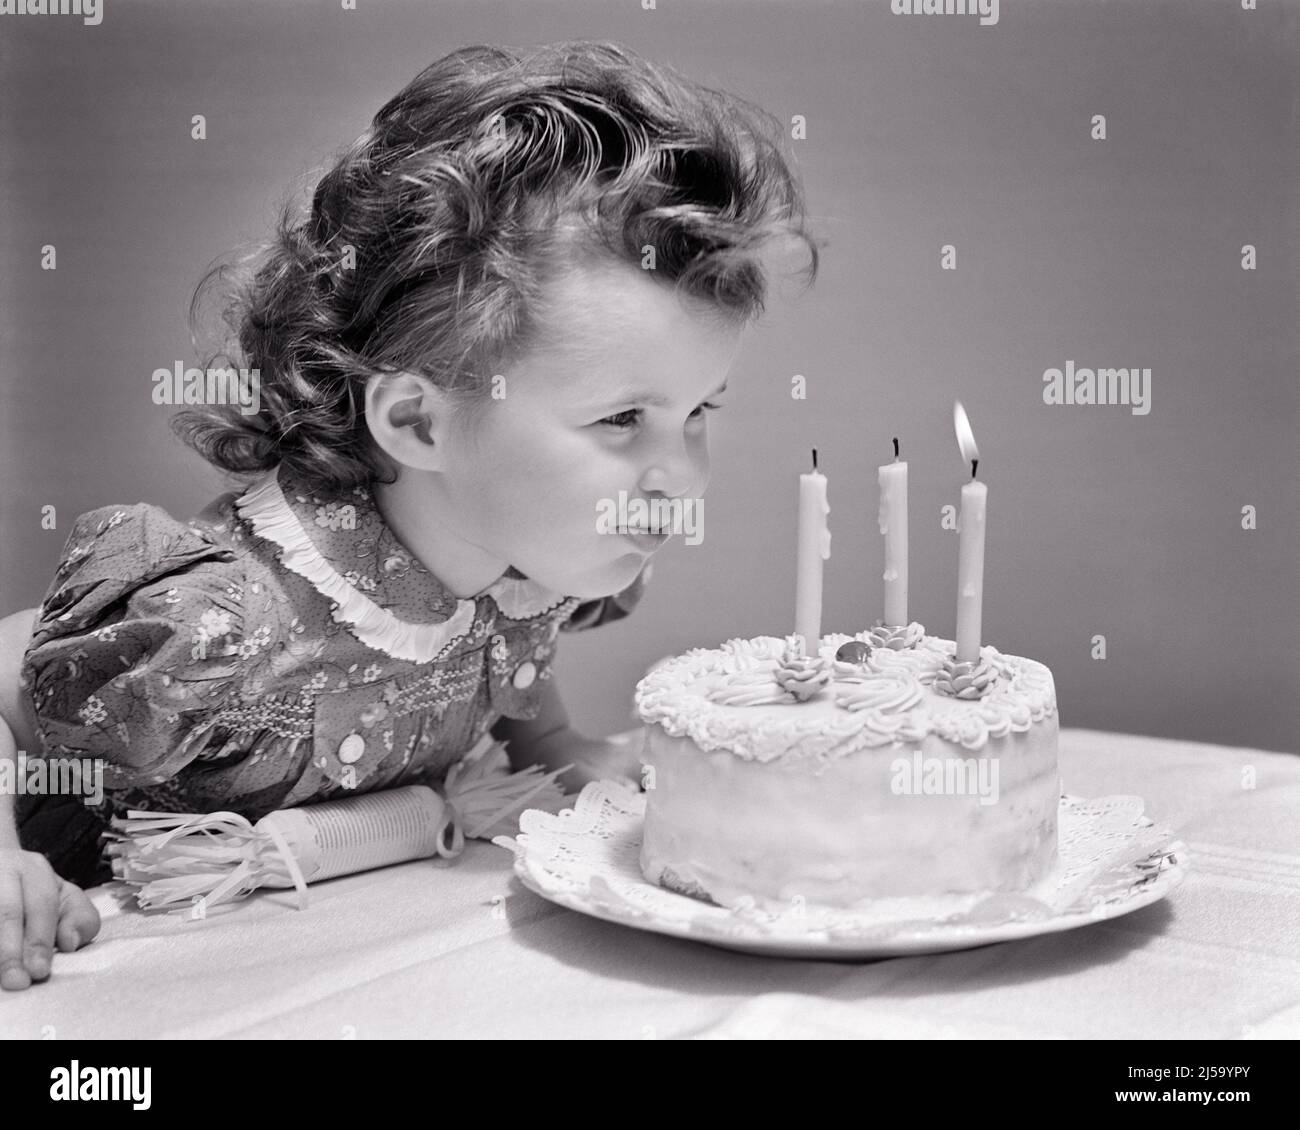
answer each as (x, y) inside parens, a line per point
(409, 417)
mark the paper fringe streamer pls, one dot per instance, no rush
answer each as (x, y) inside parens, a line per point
(194, 861)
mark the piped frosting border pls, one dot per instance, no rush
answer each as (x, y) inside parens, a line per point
(672, 697)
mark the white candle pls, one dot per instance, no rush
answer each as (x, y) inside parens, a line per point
(893, 524)
(814, 548)
(970, 549)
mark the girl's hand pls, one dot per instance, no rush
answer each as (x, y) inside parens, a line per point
(38, 906)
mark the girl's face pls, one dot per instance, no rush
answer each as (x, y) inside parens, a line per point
(615, 401)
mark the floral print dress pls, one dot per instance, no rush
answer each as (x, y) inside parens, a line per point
(280, 649)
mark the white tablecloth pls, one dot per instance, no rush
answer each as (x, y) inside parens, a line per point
(463, 950)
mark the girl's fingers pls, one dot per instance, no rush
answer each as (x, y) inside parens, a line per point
(78, 919)
(13, 973)
(67, 938)
(41, 906)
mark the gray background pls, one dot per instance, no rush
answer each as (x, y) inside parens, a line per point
(922, 130)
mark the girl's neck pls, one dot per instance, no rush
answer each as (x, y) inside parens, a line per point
(464, 569)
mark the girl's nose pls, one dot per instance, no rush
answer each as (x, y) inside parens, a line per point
(679, 475)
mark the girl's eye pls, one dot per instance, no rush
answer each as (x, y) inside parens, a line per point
(629, 417)
(625, 419)
(710, 407)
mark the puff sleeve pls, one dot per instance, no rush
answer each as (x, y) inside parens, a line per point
(137, 640)
(607, 609)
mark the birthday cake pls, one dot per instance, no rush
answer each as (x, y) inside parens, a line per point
(878, 767)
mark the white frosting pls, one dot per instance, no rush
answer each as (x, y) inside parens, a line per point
(773, 800)
(839, 834)
(727, 698)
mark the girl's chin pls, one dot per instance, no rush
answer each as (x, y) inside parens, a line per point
(607, 580)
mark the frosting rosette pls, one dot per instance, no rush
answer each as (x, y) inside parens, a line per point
(966, 680)
(896, 637)
(802, 675)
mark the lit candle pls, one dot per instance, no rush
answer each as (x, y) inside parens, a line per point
(970, 550)
(814, 548)
(893, 524)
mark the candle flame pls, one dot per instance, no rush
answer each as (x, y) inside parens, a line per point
(965, 437)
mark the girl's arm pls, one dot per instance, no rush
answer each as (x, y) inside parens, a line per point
(17, 729)
(8, 825)
(38, 908)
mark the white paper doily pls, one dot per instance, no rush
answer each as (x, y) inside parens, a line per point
(1113, 860)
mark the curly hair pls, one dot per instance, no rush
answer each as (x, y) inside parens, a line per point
(430, 241)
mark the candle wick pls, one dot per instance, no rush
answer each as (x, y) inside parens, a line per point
(973, 464)
(896, 449)
(814, 451)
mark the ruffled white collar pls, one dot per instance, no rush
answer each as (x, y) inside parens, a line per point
(274, 517)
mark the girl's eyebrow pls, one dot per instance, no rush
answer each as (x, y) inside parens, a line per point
(625, 396)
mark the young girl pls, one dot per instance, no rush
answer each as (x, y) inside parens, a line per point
(516, 295)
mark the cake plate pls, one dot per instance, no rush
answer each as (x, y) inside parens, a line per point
(1112, 860)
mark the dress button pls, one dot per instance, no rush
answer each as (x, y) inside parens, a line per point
(351, 748)
(525, 673)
